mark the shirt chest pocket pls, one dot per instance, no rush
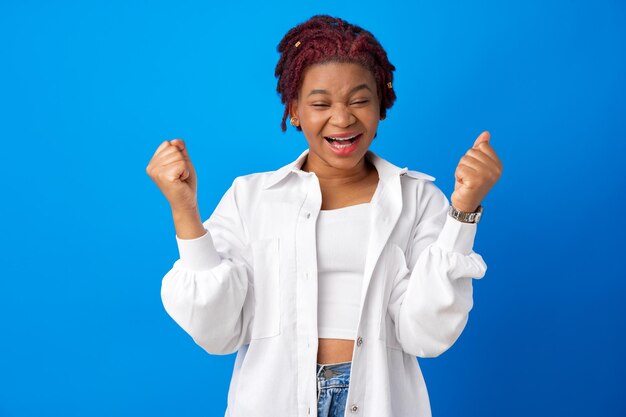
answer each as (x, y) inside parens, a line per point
(266, 281)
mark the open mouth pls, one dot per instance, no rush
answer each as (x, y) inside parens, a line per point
(342, 143)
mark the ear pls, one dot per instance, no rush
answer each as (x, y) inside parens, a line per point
(293, 108)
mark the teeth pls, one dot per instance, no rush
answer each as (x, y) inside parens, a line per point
(344, 145)
(342, 139)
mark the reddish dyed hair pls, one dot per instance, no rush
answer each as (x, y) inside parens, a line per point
(324, 39)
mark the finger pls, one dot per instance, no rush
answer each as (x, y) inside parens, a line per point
(481, 156)
(488, 150)
(473, 163)
(180, 144)
(162, 148)
(165, 154)
(164, 145)
(176, 148)
(483, 137)
(172, 157)
(465, 173)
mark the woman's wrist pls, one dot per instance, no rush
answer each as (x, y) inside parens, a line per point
(188, 224)
(465, 207)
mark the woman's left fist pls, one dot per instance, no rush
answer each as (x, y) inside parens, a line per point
(478, 170)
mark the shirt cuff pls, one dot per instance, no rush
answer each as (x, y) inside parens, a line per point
(198, 254)
(457, 236)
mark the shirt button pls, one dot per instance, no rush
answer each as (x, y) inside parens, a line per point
(308, 215)
(354, 408)
(359, 341)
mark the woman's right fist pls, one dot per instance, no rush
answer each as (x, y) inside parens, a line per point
(171, 169)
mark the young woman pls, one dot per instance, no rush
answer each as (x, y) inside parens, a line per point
(331, 274)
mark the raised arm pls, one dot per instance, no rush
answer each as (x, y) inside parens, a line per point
(430, 303)
(207, 291)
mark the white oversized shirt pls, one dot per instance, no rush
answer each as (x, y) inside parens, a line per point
(249, 286)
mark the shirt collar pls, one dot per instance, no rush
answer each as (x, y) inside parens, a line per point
(386, 170)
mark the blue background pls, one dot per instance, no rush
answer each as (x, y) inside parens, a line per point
(88, 90)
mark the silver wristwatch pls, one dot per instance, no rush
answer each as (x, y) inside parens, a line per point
(466, 217)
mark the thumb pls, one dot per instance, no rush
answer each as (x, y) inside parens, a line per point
(483, 137)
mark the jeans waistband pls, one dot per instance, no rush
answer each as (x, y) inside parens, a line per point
(333, 376)
(333, 370)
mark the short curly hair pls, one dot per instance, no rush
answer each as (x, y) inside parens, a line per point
(322, 39)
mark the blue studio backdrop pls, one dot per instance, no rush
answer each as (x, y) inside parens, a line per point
(88, 90)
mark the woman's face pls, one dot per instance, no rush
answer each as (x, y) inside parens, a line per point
(338, 110)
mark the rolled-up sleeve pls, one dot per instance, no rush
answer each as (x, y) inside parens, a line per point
(208, 292)
(430, 303)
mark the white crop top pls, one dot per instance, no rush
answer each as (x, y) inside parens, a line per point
(342, 238)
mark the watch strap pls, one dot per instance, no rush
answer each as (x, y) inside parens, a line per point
(464, 216)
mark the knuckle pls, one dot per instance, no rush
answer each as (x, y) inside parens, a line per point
(160, 176)
(179, 167)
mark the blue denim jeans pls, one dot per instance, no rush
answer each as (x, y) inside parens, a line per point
(332, 389)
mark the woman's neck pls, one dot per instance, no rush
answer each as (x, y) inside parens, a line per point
(330, 176)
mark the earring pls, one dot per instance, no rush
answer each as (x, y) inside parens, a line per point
(293, 121)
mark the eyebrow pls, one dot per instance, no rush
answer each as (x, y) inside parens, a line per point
(354, 90)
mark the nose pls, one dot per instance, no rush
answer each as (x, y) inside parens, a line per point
(342, 116)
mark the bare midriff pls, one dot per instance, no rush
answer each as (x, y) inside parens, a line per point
(334, 351)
